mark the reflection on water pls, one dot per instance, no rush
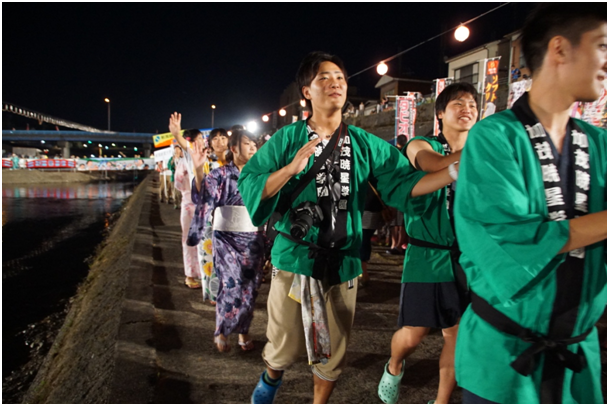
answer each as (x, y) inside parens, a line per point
(21, 202)
(48, 232)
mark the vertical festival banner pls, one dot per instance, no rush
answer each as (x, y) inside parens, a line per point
(440, 85)
(490, 86)
(405, 115)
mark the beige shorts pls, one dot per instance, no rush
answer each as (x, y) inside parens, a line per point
(285, 330)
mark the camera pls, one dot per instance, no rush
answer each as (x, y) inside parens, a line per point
(303, 216)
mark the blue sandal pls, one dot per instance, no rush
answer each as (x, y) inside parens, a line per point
(264, 393)
(389, 386)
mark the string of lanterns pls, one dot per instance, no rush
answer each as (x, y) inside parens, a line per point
(461, 34)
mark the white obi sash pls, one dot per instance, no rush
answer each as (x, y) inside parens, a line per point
(233, 219)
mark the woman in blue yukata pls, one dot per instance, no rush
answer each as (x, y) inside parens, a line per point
(238, 246)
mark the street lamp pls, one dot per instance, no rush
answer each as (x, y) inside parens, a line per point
(213, 108)
(252, 126)
(461, 33)
(382, 68)
(108, 101)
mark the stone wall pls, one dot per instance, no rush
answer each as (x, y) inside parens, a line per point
(383, 124)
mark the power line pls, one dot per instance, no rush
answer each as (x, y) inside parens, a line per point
(427, 40)
(415, 46)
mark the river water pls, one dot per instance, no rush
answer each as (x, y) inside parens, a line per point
(48, 233)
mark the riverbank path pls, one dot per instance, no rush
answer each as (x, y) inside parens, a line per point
(165, 344)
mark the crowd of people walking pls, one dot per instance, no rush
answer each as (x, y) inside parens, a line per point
(504, 224)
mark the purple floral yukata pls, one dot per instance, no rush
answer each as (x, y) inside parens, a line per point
(238, 256)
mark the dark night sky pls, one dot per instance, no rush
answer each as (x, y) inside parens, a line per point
(152, 59)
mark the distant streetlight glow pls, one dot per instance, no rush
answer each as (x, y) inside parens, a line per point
(108, 101)
(461, 33)
(99, 145)
(229, 133)
(382, 68)
(113, 144)
(265, 118)
(213, 108)
(84, 145)
(106, 147)
(42, 141)
(135, 148)
(282, 112)
(252, 126)
(92, 156)
(303, 103)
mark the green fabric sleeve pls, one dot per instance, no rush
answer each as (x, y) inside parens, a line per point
(269, 159)
(416, 206)
(500, 210)
(395, 176)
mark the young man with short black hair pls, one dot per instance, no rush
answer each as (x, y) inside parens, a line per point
(430, 296)
(531, 220)
(322, 265)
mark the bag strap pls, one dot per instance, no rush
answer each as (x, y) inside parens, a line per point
(377, 195)
(307, 177)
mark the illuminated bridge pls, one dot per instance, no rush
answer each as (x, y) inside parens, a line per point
(83, 142)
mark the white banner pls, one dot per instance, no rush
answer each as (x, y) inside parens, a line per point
(164, 155)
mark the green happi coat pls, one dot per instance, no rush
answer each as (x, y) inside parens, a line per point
(370, 155)
(427, 219)
(510, 255)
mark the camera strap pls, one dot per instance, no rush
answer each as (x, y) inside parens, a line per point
(340, 133)
(284, 205)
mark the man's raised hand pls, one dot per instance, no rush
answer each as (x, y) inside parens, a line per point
(302, 157)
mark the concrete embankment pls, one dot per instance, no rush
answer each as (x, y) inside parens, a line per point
(25, 176)
(79, 367)
(36, 176)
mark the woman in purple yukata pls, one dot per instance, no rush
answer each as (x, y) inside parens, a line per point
(238, 246)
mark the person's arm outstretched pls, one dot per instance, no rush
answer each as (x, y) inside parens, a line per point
(586, 230)
(432, 182)
(423, 157)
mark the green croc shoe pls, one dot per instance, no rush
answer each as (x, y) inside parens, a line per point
(389, 386)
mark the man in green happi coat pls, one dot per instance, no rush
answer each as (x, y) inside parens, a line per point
(531, 221)
(325, 256)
